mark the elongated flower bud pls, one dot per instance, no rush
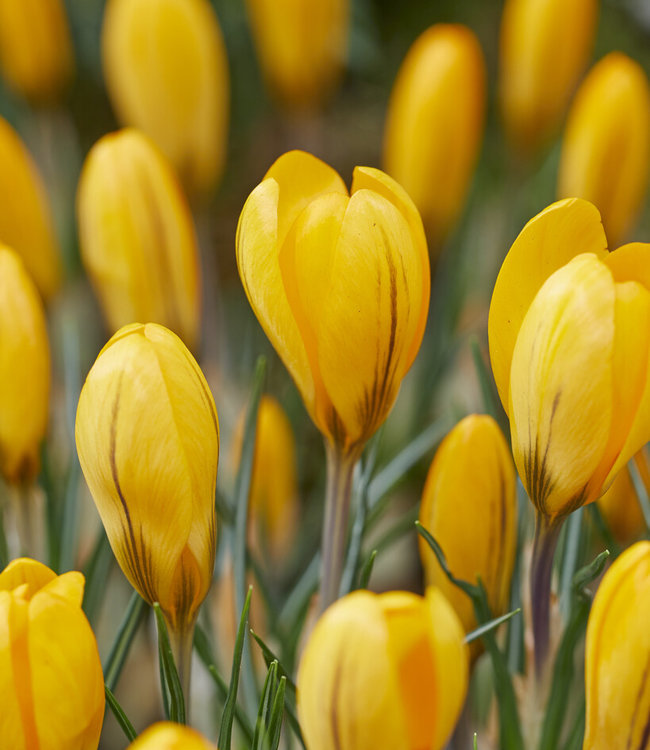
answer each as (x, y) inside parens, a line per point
(273, 503)
(301, 47)
(386, 670)
(24, 371)
(137, 236)
(51, 678)
(606, 147)
(36, 54)
(435, 123)
(168, 736)
(544, 48)
(25, 219)
(340, 285)
(617, 656)
(569, 336)
(620, 506)
(148, 443)
(469, 504)
(167, 74)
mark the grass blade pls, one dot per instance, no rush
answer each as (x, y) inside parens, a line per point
(491, 625)
(96, 572)
(366, 571)
(133, 616)
(277, 713)
(119, 714)
(172, 683)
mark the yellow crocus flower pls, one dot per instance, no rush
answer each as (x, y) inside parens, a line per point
(24, 371)
(169, 736)
(148, 442)
(273, 503)
(617, 656)
(25, 219)
(544, 48)
(137, 236)
(167, 74)
(383, 671)
(301, 47)
(36, 55)
(606, 147)
(620, 505)
(435, 123)
(469, 504)
(340, 284)
(51, 678)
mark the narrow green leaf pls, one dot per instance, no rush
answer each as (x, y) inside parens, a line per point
(270, 657)
(641, 491)
(366, 571)
(298, 600)
(265, 706)
(119, 714)
(96, 572)
(169, 672)
(403, 526)
(475, 741)
(471, 590)
(240, 716)
(589, 573)
(277, 713)
(604, 530)
(491, 625)
(225, 730)
(573, 529)
(133, 616)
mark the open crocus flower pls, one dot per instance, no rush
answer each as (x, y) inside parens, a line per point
(51, 678)
(383, 671)
(340, 284)
(617, 656)
(569, 336)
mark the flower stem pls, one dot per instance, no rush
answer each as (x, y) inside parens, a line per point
(340, 468)
(544, 544)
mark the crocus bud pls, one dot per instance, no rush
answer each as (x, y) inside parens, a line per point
(168, 736)
(617, 655)
(544, 47)
(301, 47)
(569, 333)
(137, 237)
(25, 219)
(24, 371)
(167, 74)
(386, 670)
(51, 678)
(469, 504)
(606, 147)
(340, 285)
(435, 123)
(273, 502)
(148, 443)
(36, 54)
(620, 506)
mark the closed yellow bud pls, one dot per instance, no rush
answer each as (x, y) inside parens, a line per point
(166, 71)
(617, 656)
(620, 505)
(168, 736)
(301, 47)
(387, 670)
(273, 503)
(435, 123)
(51, 678)
(544, 48)
(469, 504)
(24, 371)
(606, 147)
(569, 336)
(25, 219)
(340, 285)
(36, 54)
(148, 443)
(137, 237)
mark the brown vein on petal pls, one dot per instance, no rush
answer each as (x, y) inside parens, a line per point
(538, 477)
(645, 735)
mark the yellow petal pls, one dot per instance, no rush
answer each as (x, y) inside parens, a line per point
(347, 689)
(168, 736)
(14, 676)
(557, 234)
(561, 385)
(617, 655)
(631, 262)
(167, 74)
(25, 570)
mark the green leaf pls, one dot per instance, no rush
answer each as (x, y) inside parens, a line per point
(641, 491)
(570, 556)
(470, 589)
(133, 616)
(475, 741)
(270, 657)
(171, 682)
(119, 714)
(589, 573)
(96, 573)
(491, 625)
(277, 712)
(366, 571)
(265, 706)
(225, 730)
